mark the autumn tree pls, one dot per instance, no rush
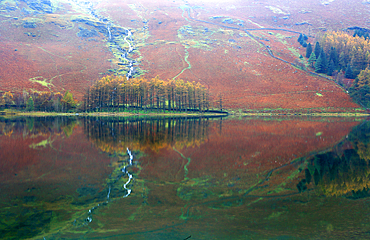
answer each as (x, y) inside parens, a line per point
(67, 101)
(7, 99)
(119, 93)
(362, 79)
(360, 90)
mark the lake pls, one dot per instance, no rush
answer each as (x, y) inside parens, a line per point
(188, 178)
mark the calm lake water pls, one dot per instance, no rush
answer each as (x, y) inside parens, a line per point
(194, 178)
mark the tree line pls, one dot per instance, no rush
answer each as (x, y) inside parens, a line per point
(38, 101)
(341, 51)
(116, 93)
(341, 54)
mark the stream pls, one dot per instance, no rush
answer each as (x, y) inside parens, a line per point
(113, 33)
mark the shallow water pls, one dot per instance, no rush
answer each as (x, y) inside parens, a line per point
(195, 178)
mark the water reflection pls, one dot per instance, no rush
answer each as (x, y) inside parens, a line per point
(27, 126)
(112, 134)
(112, 185)
(344, 170)
(205, 178)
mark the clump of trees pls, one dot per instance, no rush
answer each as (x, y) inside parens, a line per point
(339, 53)
(116, 93)
(302, 40)
(361, 33)
(38, 101)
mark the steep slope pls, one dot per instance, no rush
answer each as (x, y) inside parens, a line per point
(67, 45)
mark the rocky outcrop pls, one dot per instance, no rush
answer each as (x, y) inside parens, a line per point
(44, 6)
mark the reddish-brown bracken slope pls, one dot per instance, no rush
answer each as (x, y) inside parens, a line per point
(203, 42)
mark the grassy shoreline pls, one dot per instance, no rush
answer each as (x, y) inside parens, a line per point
(120, 114)
(339, 114)
(184, 114)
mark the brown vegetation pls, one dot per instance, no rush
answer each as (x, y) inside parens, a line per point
(242, 70)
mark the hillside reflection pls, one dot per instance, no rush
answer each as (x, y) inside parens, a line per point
(262, 177)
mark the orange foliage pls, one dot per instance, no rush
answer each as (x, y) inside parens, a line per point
(119, 92)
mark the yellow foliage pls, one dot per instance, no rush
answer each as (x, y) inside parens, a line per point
(7, 98)
(355, 47)
(363, 150)
(363, 79)
(353, 180)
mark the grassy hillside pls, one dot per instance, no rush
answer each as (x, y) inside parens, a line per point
(224, 47)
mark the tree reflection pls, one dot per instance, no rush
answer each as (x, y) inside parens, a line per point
(115, 134)
(28, 126)
(345, 170)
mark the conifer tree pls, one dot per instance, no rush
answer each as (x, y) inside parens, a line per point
(300, 38)
(331, 68)
(319, 68)
(317, 49)
(308, 50)
(349, 73)
(324, 60)
(312, 59)
(334, 56)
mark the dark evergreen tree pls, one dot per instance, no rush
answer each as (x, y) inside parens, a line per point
(324, 60)
(304, 44)
(334, 57)
(366, 35)
(361, 33)
(319, 65)
(331, 68)
(300, 38)
(308, 50)
(356, 33)
(305, 38)
(317, 49)
(312, 59)
(349, 73)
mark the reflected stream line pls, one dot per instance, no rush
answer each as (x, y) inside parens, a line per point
(124, 170)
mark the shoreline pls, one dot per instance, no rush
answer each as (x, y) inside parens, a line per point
(103, 114)
(239, 114)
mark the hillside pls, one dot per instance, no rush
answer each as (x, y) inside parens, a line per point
(65, 45)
